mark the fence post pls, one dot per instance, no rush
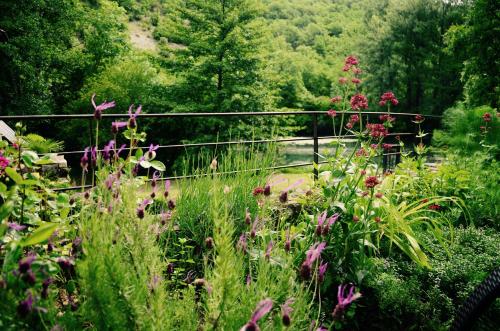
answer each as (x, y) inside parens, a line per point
(315, 146)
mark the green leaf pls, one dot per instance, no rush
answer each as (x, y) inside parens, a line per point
(40, 235)
(158, 165)
(17, 178)
(145, 164)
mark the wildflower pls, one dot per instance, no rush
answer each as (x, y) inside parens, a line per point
(213, 164)
(363, 172)
(349, 125)
(356, 81)
(116, 126)
(361, 152)
(324, 224)
(254, 228)
(258, 191)
(132, 122)
(386, 146)
(329, 222)
(167, 187)
(171, 204)
(4, 162)
(357, 71)
(355, 219)
(487, 117)
(267, 190)
(142, 206)
(286, 310)
(386, 118)
(268, 250)
(45, 287)
(248, 218)
(25, 264)
(242, 243)
(351, 60)
(377, 130)
(86, 195)
(354, 118)
(209, 242)
(109, 181)
(388, 97)
(321, 271)
(103, 106)
(283, 196)
(418, 119)
(261, 309)
(344, 300)
(312, 254)
(15, 226)
(93, 155)
(288, 242)
(342, 80)
(377, 219)
(434, 207)
(170, 268)
(332, 113)
(371, 182)
(346, 67)
(26, 306)
(379, 195)
(201, 282)
(84, 161)
(358, 102)
(151, 153)
(122, 147)
(106, 152)
(336, 99)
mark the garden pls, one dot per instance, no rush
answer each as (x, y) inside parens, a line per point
(393, 226)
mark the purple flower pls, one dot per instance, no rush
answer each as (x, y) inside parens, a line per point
(84, 161)
(25, 264)
(4, 162)
(286, 310)
(45, 287)
(122, 147)
(167, 188)
(262, 309)
(106, 152)
(142, 206)
(109, 181)
(242, 243)
(284, 194)
(171, 204)
(268, 250)
(151, 153)
(248, 217)
(312, 254)
(201, 282)
(93, 155)
(116, 126)
(324, 224)
(132, 123)
(154, 180)
(15, 226)
(103, 106)
(321, 271)
(26, 306)
(344, 300)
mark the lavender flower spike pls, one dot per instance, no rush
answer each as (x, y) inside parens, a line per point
(344, 300)
(103, 106)
(286, 310)
(262, 309)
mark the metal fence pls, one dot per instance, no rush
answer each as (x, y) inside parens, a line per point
(388, 157)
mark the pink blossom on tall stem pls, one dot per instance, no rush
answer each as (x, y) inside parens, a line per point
(154, 180)
(103, 106)
(116, 126)
(132, 122)
(84, 161)
(418, 119)
(4, 162)
(344, 300)
(142, 206)
(167, 188)
(342, 80)
(351, 60)
(324, 224)
(377, 130)
(260, 311)
(106, 152)
(242, 243)
(371, 182)
(336, 99)
(388, 97)
(321, 271)
(286, 310)
(358, 102)
(487, 117)
(284, 194)
(332, 113)
(268, 250)
(312, 255)
(356, 81)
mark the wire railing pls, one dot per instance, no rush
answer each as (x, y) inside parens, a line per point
(389, 157)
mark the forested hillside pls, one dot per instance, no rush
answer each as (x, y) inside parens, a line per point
(244, 55)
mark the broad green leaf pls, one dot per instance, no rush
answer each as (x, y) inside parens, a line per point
(158, 165)
(145, 164)
(40, 235)
(17, 178)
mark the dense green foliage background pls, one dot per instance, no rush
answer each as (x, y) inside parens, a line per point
(242, 55)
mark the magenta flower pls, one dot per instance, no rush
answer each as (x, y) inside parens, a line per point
(358, 102)
(284, 194)
(132, 122)
(103, 106)
(4, 162)
(167, 188)
(388, 97)
(15, 226)
(262, 309)
(268, 250)
(242, 243)
(332, 113)
(286, 310)
(93, 155)
(321, 271)
(84, 161)
(122, 147)
(344, 300)
(377, 130)
(342, 80)
(248, 217)
(336, 99)
(26, 306)
(116, 126)
(142, 206)
(312, 255)
(25, 264)
(106, 152)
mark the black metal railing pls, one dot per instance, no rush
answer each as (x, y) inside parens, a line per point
(314, 137)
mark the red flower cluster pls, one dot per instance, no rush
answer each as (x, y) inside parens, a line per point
(258, 191)
(419, 118)
(487, 117)
(387, 118)
(377, 130)
(388, 97)
(359, 101)
(371, 182)
(352, 120)
(361, 152)
(336, 99)
(331, 113)
(342, 80)
(386, 146)
(349, 62)
(356, 81)
(434, 207)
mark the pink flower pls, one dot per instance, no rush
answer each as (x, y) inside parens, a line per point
(332, 113)
(116, 126)
(377, 130)
(387, 118)
(286, 310)
(336, 99)
(388, 97)
(351, 60)
(354, 118)
(321, 271)
(487, 117)
(419, 118)
(357, 71)
(356, 81)
(103, 106)
(132, 122)
(359, 101)
(342, 80)
(312, 254)
(344, 300)
(4, 162)
(261, 309)
(371, 182)
(258, 191)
